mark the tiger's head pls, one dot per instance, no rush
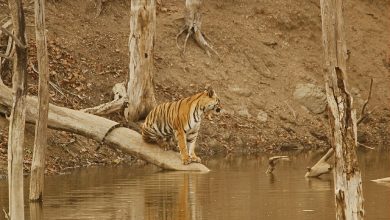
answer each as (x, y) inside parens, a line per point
(210, 100)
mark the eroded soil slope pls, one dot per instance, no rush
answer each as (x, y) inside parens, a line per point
(267, 49)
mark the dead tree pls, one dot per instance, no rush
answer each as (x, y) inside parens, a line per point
(18, 113)
(342, 116)
(192, 25)
(95, 127)
(140, 86)
(40, 142)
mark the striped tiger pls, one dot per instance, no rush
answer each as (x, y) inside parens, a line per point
(180, 120)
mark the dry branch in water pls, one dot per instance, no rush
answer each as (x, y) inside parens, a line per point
(321, 167)
(95, 127)
(272, 161)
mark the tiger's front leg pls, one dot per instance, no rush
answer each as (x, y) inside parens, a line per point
(191, 139)
(181, 140)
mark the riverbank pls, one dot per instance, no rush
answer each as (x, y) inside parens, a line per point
(269, 80)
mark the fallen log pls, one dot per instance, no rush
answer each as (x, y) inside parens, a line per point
(95, 127)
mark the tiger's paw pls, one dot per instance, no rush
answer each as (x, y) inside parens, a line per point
(186, 160)
(195, 159)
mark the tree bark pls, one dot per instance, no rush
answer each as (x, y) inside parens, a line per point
(18, 114)
(40, 142)
(342, 116)
(140, 87)
(96, 127)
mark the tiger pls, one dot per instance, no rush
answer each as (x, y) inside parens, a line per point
(180, 120)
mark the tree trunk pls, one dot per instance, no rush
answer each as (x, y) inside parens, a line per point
(193, 23)
(18, 114)
(96, 127)
(342, 116)
(140, 87)
(40, 142)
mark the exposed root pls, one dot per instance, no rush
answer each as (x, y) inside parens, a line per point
(99, 7)
(120, 99)
(198, 36)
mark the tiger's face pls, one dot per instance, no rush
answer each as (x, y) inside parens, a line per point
(210, 101)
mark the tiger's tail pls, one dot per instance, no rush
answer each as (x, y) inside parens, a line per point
(131, 125)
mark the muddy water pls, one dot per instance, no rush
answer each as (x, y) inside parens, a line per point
(237, 188)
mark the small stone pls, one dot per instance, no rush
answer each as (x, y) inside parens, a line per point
(262, 116)
(244, 112)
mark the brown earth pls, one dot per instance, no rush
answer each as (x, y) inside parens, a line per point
(267, 48)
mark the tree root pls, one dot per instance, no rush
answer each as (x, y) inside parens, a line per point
(120, 99)
(198, 36)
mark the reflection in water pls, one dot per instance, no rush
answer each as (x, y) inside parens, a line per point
(236, 188)
(36, 211)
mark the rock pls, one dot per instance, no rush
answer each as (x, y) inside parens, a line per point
(262, 116)
(357, 98)
(311, 96)
(243, 111)
(241, 91)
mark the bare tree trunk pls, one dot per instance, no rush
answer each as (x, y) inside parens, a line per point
(18, 114)
(342, 116)
(96, 127)
(140, 87)
(40, 142)
(193, 23)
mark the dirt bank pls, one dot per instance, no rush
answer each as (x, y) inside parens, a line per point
(268, 48)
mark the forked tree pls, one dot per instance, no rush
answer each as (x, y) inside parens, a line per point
(342, 115)
(18, 113)
(140, 86)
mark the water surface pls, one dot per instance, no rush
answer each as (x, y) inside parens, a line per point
(236, 188)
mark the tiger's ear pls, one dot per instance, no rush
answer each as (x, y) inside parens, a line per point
(210, 91)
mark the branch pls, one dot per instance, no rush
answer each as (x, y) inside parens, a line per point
(6, 25)
(120, 99)
(272, 161)
(4, 56)
(95, 127)
(363, 145)
(321, 167)
(17, 41)
(363, 113)
(6, 216)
